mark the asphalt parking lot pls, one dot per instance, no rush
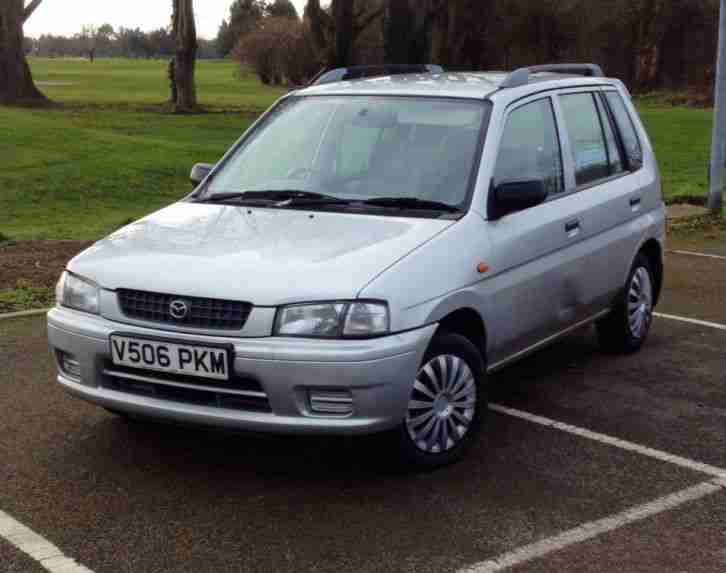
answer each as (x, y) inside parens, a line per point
(120, 497)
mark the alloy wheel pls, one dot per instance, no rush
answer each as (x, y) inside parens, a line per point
(442, 404)
(640, 302)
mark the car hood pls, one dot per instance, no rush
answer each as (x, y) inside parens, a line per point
(264, 256)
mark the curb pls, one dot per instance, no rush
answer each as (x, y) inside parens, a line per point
(24, 313)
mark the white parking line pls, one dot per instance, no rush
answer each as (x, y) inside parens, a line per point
(707, 469)
(595, 528)
(715, 325)
(37, 547)
(694, 254)
(23, 313)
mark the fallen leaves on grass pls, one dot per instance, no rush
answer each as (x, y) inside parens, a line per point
(25, 297)
(710, 224)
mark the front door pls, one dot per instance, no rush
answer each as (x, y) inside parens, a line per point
(536, 292)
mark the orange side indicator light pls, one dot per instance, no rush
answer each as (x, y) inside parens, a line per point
(482, 268)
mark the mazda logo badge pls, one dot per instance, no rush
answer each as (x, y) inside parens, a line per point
(178, 309)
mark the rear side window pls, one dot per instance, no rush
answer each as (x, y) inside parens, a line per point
(530, 148)
(587, 142)
(631, 143)
(614, 157)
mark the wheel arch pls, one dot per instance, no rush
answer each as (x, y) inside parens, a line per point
(460, 312)
(468, 323)
(653, 250)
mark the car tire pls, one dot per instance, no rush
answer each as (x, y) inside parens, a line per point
(123, 416)
(626, 328)
(118, 413)
(447, 404)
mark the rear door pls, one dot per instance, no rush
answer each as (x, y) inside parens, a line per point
(607, 164)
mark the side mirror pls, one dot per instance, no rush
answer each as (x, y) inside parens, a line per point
(199, 172)
(516, 195)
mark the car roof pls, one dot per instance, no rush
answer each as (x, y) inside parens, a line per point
(469, 85)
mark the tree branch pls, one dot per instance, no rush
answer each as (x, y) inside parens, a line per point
(30, 8)
(433, 13)
(326, 20)
(368, 20)
(435, 8)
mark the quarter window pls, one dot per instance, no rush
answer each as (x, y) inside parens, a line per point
(587, 143)
(631, 143)
(530, 147)
(614, 157)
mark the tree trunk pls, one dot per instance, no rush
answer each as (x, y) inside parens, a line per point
(344, 34)
(185, 34)
(653, 23)
(407, 30)
(16, 82)
(315, 15)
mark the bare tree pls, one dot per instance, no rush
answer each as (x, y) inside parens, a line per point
(461, 41)
(88, 39)
(335, 31)
(407, 29)
(16, 81)
(653, 19)
(185, 35)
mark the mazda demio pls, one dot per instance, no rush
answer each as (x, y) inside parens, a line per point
(368, 252)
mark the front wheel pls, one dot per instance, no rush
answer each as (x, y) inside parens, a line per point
(447, 403)
(626, 328)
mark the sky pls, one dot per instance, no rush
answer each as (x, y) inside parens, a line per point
(65, 17)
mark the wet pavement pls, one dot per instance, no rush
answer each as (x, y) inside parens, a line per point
(122, 497)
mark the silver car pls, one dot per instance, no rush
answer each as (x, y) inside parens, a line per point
(368, 252)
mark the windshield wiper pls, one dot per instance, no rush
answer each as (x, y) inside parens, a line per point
(411, 203)
(278, 197)
(306, 198)
(223, 197)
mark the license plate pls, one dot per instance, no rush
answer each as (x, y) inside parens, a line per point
(162, 356)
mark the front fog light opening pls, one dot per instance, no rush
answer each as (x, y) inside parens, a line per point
(69, 365)
(331, 402)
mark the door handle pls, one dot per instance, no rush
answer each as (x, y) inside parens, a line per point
(635, 204)
(572, 228)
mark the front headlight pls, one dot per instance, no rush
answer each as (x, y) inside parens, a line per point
(78, 293)
(333, 320)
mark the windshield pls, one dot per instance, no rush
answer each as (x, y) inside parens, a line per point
(360, 149)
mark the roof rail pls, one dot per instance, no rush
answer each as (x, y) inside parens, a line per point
(520, 77)
(358, 72)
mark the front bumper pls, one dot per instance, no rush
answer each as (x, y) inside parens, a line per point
(378, 374)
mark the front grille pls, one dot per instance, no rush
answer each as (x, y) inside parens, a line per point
(238, 393)
(207, 313)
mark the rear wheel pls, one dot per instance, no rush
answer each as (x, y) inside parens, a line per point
(447, 403)
(626, 328)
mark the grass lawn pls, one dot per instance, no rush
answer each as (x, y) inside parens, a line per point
(682, 141)
(134, 83)
(110, 154)
(78, 174)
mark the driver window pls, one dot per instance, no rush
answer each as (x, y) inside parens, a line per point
(530, 147)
